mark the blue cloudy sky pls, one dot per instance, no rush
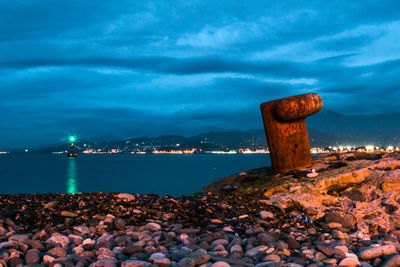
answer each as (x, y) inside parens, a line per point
(131, 68)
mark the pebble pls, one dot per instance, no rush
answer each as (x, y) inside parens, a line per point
(373, 252)
(126, 196)
(158, 231)
(70, 214)
(135, 263)
(293, 244)
(266, 215)
(200, 258)
(153, 226)
(334, 225)
(392, 261)
(59, 239)
(349, 262)
(256, 250)
(220, 264)
(32, 256)
(272, 257)
(57, 252)
(187, 262)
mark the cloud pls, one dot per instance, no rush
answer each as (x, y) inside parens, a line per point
(139, 68)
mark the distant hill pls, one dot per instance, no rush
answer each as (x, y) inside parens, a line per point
(380, 129)
(325, 128)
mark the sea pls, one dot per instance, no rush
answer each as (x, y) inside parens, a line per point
(173, 175)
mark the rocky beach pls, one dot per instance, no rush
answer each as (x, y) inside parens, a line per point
(344, 211)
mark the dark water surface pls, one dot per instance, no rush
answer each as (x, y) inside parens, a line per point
(173, 175)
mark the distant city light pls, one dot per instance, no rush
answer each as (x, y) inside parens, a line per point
(26, 150)
(72, 138)
(369, 148)
(390, 148)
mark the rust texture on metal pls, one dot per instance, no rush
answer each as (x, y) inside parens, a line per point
(286, 131)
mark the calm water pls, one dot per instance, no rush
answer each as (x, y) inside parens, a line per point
(174, 175)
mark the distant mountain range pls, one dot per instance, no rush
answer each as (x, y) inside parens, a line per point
(325, 128)
(380, 129)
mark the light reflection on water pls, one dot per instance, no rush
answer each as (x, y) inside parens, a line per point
(72, 178)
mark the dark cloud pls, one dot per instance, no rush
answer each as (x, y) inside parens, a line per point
(131, 68)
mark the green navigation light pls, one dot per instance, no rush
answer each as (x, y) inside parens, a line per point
(72, 138)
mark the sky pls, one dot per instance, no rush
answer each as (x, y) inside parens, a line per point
(132, 68)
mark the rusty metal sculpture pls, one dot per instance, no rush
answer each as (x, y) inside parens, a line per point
(286, 130)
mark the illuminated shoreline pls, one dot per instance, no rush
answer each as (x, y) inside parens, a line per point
(314, 150)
